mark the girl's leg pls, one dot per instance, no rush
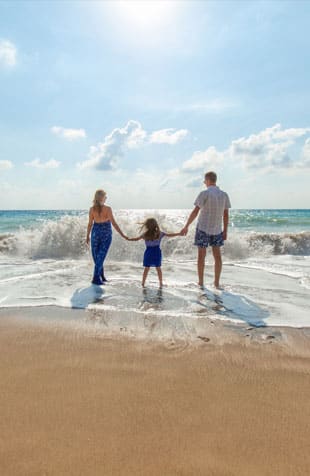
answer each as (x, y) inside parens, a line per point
(145, 273)
(160, 276)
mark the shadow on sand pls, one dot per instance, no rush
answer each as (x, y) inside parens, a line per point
(232, 306)
(82, 297)
(235, 307)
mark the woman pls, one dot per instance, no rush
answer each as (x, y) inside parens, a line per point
(99, 225)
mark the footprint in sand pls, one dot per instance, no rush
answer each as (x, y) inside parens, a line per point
(205, 339)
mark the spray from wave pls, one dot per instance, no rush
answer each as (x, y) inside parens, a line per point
(65, 238)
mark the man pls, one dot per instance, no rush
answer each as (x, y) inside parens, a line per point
(212, 206)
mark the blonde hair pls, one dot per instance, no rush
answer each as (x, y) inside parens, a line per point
(151, 229)
(99, 194)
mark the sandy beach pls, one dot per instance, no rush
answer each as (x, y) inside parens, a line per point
(76, 404)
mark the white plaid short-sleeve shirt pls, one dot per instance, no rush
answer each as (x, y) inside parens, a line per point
(212, 203)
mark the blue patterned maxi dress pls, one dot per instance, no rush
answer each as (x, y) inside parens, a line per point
(101, 239)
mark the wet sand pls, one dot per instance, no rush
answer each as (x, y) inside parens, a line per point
(76, 404)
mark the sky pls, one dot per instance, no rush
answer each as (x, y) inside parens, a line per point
(141, 98)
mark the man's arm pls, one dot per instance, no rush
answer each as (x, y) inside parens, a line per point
(225, 221)
(190, 220)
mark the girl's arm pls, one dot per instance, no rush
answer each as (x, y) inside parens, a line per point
(90, 224)
(171, 235)
(115, 225)
(137, 238)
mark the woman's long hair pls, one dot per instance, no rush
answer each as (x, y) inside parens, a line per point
(150, 229)
(99, 195)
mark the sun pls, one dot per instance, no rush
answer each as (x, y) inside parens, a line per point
(145, 14)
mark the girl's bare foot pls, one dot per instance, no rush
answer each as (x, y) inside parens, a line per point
(217, 286)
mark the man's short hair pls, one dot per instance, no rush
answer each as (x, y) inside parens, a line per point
(211, 176)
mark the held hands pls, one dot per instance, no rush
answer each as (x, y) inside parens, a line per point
(184, 231)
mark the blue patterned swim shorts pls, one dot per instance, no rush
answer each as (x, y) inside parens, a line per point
(203, 240)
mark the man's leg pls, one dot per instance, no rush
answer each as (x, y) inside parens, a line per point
(216, 250)
(201, 264)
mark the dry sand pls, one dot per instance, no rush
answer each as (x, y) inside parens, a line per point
(74, 404)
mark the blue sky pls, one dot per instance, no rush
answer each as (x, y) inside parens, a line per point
(141, 98)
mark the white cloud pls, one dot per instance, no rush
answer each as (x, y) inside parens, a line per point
(8, 53)
(268, 148)
(68, 134)
(305, 156)
(195, 182)
(5, 164)
(137, 135)
(208, 158)
(168, 136)
(106, 154)
(49, 164)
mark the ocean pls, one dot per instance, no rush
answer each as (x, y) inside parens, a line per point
(266, 273)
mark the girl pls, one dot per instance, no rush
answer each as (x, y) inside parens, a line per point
(99, 224)
(152, 255)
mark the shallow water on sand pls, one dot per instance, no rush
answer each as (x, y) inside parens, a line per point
(266, 274)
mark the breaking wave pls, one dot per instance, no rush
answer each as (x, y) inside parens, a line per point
(65, 238)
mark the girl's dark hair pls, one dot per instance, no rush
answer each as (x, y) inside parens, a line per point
(151, 229)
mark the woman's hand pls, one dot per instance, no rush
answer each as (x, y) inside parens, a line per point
(87, 240)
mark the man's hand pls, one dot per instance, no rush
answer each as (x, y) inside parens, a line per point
(87, 240)
(224, 235)
(184, 231)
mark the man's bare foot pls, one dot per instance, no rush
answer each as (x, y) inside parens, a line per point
(201, 286)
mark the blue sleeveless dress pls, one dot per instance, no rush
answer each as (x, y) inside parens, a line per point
(152, 254)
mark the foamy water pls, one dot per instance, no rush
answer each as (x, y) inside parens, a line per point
(266, 273)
